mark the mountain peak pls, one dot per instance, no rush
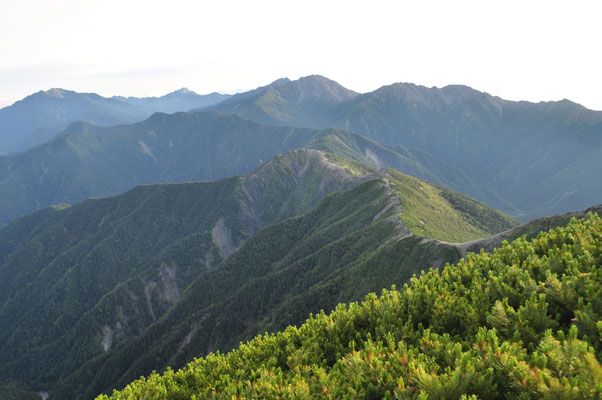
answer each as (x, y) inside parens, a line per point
(280, 81)
(183, 91)
(319, 87)
(316, 79)
(401, 91)
(56, 92)
(288, 102)
(315, 86)
(59, 93)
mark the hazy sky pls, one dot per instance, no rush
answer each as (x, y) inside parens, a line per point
(518, 50)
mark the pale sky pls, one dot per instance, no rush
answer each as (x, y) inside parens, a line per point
(518, 50)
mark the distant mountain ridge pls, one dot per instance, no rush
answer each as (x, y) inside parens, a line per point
(530, 159)
(179, 100)
(89, 161)
(286, 102)
(40, 116)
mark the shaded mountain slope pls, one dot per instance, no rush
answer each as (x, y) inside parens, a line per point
(90, 161)
(351, 243)
(9, 392)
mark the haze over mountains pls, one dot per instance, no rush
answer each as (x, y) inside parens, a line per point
(180, 100)
(86, 161)
(523, 158)
(515, 151)
(39, 117)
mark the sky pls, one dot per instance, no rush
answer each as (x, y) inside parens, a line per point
(518, 50)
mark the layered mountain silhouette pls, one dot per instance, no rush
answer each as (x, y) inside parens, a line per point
(40, 116)
(529, 159)
(252, 211)
(88, 161)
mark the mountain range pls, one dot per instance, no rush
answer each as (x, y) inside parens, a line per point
(134, 241)
(88, 161)
(530, 159)
(180, 100)
(40, 116)
(526, 159)
(116, 287)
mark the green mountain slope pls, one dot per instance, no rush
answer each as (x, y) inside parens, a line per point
(65, 273)
(8, 392)
(275, 279)
(350, 244)
(344, 269)
(527, 159)
(99, 277)
(88, 161)
(521, 323)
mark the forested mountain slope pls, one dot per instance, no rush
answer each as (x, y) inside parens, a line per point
(66, 274)
(523, 322)
(103, 271)
(352, 243)
(88, 161)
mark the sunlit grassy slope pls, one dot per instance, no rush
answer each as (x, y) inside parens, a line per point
(435, 212)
